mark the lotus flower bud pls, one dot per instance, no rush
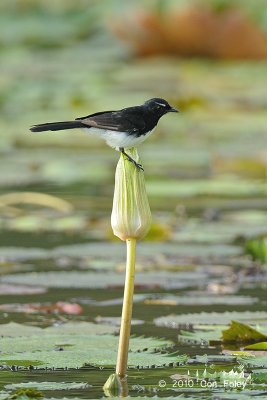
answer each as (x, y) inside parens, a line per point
(131, 215)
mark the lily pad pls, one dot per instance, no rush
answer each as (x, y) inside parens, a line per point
(49, 385)
(13, 329)
(66, 279)
(214, 334)
(198, 231)
(239, 332)
(174, 321)
(257, 346)
(147, 249)
(253, 361)
(199, 300)
(203, 338)
(53, 348)
(22, 253)
(116, 251)
(194, 188)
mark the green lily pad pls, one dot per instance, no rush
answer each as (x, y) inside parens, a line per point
(197, 231)
(239, 332)
(214, 334)
(13, 329)
(259, 376)
(147, 249)
(48, 385)
(69, 342)
(203, 338)
(117, 251)
(193, 188)
(242, 395)
(66, 279)
(208, 299)
(257, 346)
(253, 361)
(78, 359)
(26, 393)
(22, 253)
(174, 321)
(60, 348)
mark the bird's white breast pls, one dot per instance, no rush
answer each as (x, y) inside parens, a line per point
(118, 139)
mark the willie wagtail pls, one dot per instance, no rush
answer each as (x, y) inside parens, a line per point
(120, 129)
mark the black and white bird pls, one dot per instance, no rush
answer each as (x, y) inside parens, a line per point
(122, 129)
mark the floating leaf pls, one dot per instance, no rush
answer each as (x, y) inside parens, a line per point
(219, 187)
(22, 253)
(257, 346)
(66, 279)
(27, 393)
(174, 321)
(48, 385)
(253, 361)
(239, 332)
(231, 394)
(212, 334)
(116, 321)
(97, 357)
(147, 249)
(115, 250)
(13, 329)
(58, 348)
(259, 376)
(199, 300)
(202, 338)
(198, 231)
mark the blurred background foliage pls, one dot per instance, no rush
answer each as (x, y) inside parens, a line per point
(63, 59)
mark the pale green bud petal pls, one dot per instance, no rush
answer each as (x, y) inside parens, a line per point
(131, 215)
(116, 386)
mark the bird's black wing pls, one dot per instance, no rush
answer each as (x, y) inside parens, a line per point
(125, 120)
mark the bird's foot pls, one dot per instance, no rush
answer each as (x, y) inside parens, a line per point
(129, 158)
(138, 166)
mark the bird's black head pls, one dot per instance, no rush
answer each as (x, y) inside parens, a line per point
(159, 106)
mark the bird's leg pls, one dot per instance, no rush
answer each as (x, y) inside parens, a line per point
(129, 158)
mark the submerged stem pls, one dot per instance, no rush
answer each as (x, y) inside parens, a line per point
(126, 317)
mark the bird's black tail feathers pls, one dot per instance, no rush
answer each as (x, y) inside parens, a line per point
(57, 126)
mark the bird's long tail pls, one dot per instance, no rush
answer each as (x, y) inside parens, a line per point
(57, 126)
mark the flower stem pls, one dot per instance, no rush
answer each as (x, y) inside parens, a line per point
(126, 317)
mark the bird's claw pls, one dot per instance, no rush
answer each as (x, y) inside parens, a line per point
(139, 166)
(129, 158)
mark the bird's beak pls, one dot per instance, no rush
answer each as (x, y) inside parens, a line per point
(172, 109)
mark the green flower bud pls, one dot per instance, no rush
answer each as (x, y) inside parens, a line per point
(116, 386)
(131, 215)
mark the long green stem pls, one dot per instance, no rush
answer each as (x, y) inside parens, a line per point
(126, 317)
